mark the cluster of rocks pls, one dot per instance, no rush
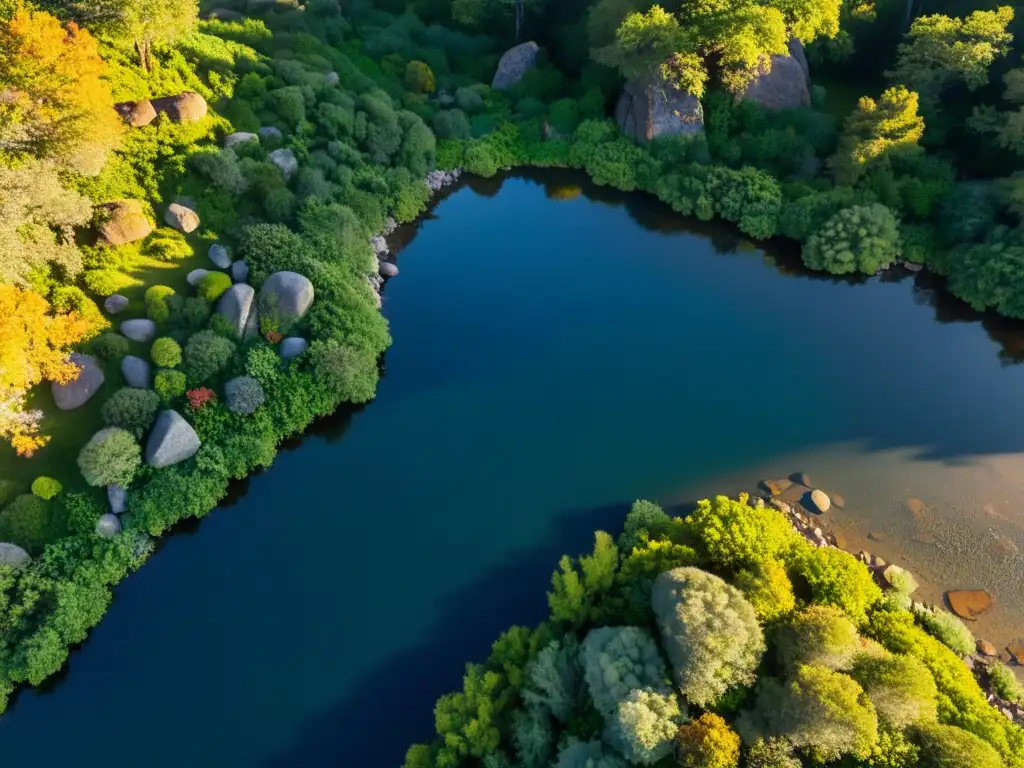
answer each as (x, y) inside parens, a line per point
(289, 294)
(187, 107)
(438, 180)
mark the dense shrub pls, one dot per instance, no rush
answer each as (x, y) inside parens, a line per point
(165, 352)
(948, 629)
(708, 742)
(864, 238)
(468, 100)
(349, 374)
(734, 533)
(28, 521)
(644, 725)
(451, 124)
(169, 384)
(769, 590)
(900, 688)
(709, 631)
(419, 78)
(133, 410)
(111, 457)
(618, 660)
(156, 302)
(46, 487)
(110, 346)
(773, 753)
(213, 285)
(168, 245)
(554, 680)
(206, 355)
(244, 395)
(819, 635)
(1004, 682)
(835, 577)
(80, 511)
(943, 746)
(645, 519)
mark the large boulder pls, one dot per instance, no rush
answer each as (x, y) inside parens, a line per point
(108, 526)
(285, 161)
(236, 305)
(136, 372)
(239, 137)
(289, 294)
(140, 329)
(293, 346)
(117, 497)
(219, 255)
(515, 63)
(136, 113)
(239, 271)
(196, 276)
(784, 86)
(388, 269)
(172, 440)
(125, 222)
(115, 304)
(796, 50)
(187, 107)
(14, 556)
(650, 107)
(182, 218)
(76, 393)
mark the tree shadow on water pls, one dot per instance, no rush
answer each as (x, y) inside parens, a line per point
(391, 706)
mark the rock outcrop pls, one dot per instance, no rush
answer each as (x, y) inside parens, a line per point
(285, 161)
(236, 305)
(289, 294)
(650, 107)
(125, 222)
(293, 346)
(171, 441)
(115, 304)
(136, 113)
(182, 218)
(219, 255)
(136, 372)
(77, 393)
(187, 107)
(14, 556)
(239, 137)
(786, 85)
(515, 63)
(140, 329)
(331, 78)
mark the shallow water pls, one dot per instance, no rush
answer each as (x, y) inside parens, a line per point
(553, 360)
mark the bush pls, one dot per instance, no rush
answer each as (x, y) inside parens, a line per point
(419, 78)
(1004, 682)
(107, 282)
(819, 635)
(945, 746)
(244, 395)
(838, 578)
(554, 680)
(643, 519)
(479, 159)
(46, 487)
(451, 124)
(735, 534)
(110, 346)
(349, 374)
(169, 384)
(822, 712)
(468, 100)
(80, 511)
(156, 302)
(864, 238)
(206, 355)
(213, 285)
(773, 753)
(947, 629)
(165, 352)
(767, 587)
(133, 410)
(110, 457)
(617, 660)
(644, 726)
(708, 742)
(28, 522)
(901, 688)
(168, 245)
(709, 631)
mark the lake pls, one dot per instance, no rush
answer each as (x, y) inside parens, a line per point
(556, 356)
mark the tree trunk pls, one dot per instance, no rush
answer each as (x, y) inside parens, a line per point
(144, 50)
(519, 17)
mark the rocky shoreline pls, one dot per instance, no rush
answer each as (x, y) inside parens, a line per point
(803, 504)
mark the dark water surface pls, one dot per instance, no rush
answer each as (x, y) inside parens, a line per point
(553, 360)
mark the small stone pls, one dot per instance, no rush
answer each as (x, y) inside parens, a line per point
(115, 304)
(196, 275)
(819, 501)
(331, 78)
(285, 161)
(879, 562)
(171, 441)
(239, 137)
(838, 501)
(912, 266)
(1006, 711)
(864, 557)
(219, 255)
(108, 526)
(77, 392)
(969, 603)
(876, 536)
(270, 132)
(969, 662)
(136, 372)
(782, 506)
(817, 533)
(182, 218)
(239, 271)
(140, 329)
(388, 269)
(985, 648)
(117, 497)
(293, 346)
(801, 478)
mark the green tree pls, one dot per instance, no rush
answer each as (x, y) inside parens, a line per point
(708, 742)
(838, 578)
(863, 238)
(876, 130)
(131, 409)
(768, 588)
(477, 13)
(820, 635)
(618, 660)
(734, 533)
(944, 746)
(940, 51)
(644, 725)
(575, 592)
(900, 687)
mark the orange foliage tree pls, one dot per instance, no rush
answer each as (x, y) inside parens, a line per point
(33, 346)
(56, 103)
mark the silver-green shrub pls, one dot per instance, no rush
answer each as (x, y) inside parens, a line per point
(618, 660)
(555, 679)
(644, 726)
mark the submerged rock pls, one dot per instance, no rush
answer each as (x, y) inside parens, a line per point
(515, 63)
(388, 269)
(77, 393)
(969, 603)
(171, 441)
(775, 487)
(650, 107)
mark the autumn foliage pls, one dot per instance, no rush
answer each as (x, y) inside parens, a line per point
(56, 103)
(33, 347)
(199, 397)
